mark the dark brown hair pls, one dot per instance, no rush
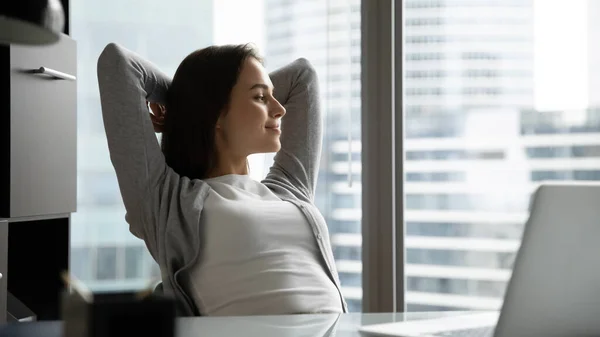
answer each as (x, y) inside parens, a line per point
(199, 93)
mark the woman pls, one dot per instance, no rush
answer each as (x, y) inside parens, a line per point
(225, 244)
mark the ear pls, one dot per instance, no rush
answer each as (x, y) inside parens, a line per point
(221, 120)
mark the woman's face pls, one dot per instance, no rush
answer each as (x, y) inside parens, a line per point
(253, 119)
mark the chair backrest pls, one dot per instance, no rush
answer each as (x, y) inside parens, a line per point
(158, 289)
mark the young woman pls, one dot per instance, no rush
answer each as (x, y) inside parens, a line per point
(225, 243)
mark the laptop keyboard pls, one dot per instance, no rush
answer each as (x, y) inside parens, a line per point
(487, 331)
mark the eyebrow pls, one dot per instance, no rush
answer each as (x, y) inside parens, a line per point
(261, 85)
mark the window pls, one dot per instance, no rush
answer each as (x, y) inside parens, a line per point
(461, 202)
(453, 155)
(489, 114)
(435, 176)
(106, 265)
(565, 175)
(456, 286)
(344, 226)
(465, 230)
(351, 279)
(343, 253)
(82, 261)
(341, 157)
(575, 151)
(354, 305)
(346, 201)
(325, 32)
(134, 269)
(460, 256)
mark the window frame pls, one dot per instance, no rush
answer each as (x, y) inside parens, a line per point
(382, 119)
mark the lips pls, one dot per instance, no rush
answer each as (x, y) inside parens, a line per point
(274, 128)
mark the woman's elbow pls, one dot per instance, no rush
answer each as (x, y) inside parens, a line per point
(307, 67)
(109, 57)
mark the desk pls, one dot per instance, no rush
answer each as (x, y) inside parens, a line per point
(327, 325)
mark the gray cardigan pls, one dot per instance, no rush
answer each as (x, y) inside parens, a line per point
(164, 208)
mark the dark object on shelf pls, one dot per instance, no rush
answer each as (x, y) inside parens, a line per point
(118, 314)
(32, 22)
(36, 281)
(17, 311)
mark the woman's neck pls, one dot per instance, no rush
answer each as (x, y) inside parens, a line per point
(225, 167)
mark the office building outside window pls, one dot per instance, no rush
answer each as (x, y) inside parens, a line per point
(498, 98)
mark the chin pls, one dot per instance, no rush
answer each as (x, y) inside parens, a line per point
(269, 146)
(275, 147)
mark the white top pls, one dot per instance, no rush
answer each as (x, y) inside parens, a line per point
(260, 255)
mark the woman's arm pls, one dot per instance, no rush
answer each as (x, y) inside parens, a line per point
(126, 81)
(297, 89)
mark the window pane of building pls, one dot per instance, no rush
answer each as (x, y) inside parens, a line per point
(497, 99)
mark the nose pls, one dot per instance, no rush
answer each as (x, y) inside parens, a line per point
(277, 110)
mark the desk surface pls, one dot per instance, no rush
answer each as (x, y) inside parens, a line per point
(345, 325)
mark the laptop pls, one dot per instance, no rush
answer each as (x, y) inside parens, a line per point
(555, 285)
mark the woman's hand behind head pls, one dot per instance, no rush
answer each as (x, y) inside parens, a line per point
(157, 115)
